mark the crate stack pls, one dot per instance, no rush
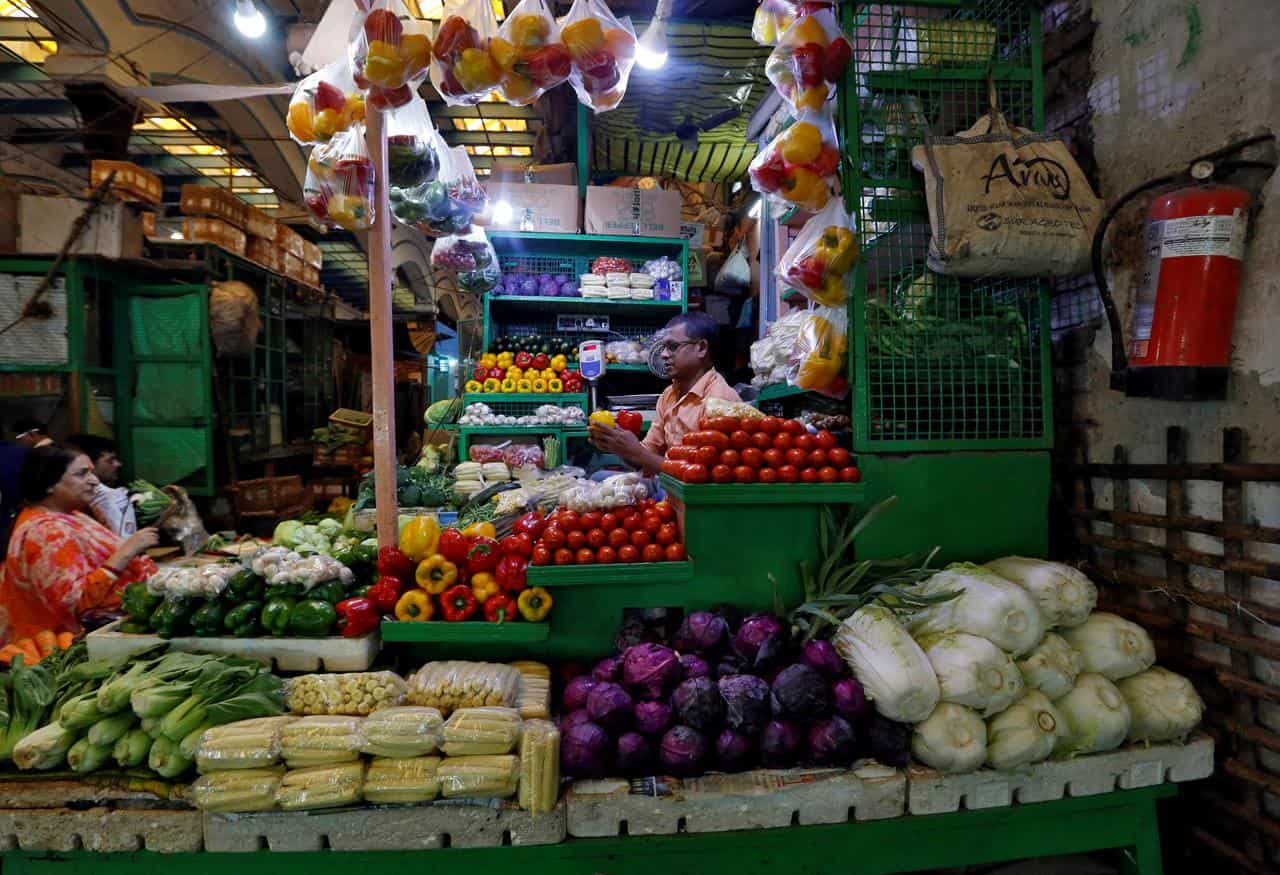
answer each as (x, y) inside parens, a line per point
(133, 185)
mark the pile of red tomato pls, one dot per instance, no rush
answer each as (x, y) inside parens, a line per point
(644, 532)
(726, 449)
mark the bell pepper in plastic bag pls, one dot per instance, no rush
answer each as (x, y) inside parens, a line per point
(338, 189)
(809, 60)
(800, 166)
(462, 69)
(450, 203)
(603, 49)
(820, 351)
(819, 261)
(772, 18)
(389, 50)
(530, 53)
(324, 104)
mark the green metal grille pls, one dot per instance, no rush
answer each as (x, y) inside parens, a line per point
(524, 405)
(940, 362)
(532, 265)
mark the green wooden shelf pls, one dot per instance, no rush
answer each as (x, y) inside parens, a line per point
(627, 367)
(906, 80)
(508, 304)
(511, 429)
(470, 632)
(618, 574)
(763, 493)
(779, 390)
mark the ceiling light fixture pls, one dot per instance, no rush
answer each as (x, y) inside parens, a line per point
(651, 51)
(249, 20)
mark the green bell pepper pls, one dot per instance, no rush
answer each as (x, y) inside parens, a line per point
(138, 603)
(207, 621)
(172, 617)
(283, 591)
(360, 591)
(275, 616)
(358, 555)
(331, 591)
(245, 586)
(242, 621)
(312, 619)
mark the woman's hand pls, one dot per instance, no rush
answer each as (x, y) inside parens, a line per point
(132, 547)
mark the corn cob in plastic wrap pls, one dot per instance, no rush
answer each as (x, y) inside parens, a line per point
(539, 766)
(404, 731)
(246, 744)
(479, 777)
(480, 732)
(321, 787)
(451, 685)
(534, 701)
(321, 741)
(402, 781)
(237, 790)
(352, 694)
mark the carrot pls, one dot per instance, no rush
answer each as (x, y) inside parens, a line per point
(65, 640)
(8, 652)
(46, 642)
(29, 651)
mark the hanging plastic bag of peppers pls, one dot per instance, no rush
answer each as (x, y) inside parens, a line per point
(446, 205)
(800, 166)
(821, 349)
(390, 52)
(462, 69)
(819, 262)
(771, 19)
(338, 189)
(325, 103)
(603, 49)
(529, 52)
(810, 58)
(470, 259)
(412, 157)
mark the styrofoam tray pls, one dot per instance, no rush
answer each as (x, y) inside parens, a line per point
(930, 792)
(285, 654)
(101, 829)
(760, 799)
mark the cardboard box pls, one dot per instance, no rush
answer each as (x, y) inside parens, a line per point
(290, 241)
(536, 174)
(312, 254)
(130, 180)
(549, 209)
(695, 233)
(632, 212)
(216, 231)
(114, 230)
(264, 252)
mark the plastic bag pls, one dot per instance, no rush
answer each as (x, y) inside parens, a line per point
(810, 59)
(799, 167)
(450, 203)
(603, 49)
(325, 787)
(350, 693)
(452, 684)
(484, 453)
(324, 104)
(321, 741)
(522, 456)
(479, 777)
(480, 732)
(819, 262)
(408, 731)
(245, 744)
(772, 18)
(462, 70)
(470, 257)
(402, 781)
(734, 276)
(390, 51)
(818, 357)
(529, 53)
(413, 156)
(242, 790)
(338, 189)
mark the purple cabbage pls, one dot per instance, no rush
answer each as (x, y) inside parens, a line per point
(650, 670)
(682, 751)
(798, 693)
(568, 289)
(694, 666)
(889, 742)
(573, 718)
(746, 699)
(584, 751)
(576, 692)
(822, 658)
(760, 640)
(608, 670)
(560, 279)
(653, 718)
(848, 698)
(701, 632)
(729, 665)
(633, 753)
(611, 706)
(780, 743)
(832, 742)
(734, 751)
(529, 286)
(697, 703)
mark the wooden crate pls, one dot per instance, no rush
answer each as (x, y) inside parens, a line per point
(311, 276)
(217, 231)
(131, 181)
(290, 241)
(259, 224)
(264, 252)
(271, 497)
(312, 254)
(214, 202)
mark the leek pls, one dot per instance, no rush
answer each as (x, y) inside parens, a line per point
(81, 712)
(165, 760)
(44, 749)
(1112, 646)
(106, 731)
(1097, 717)
(953, 739)
(193, 712)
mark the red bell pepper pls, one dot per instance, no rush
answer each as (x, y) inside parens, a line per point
(541, 361)
(496, 373)
(523, 360)
(357, 617)
(631, 421)
(530, 524)
(500, 608)
(836, 58)
(480, 374)
(393, 563)
(768, 175)
(483, 555)
(808, 272)
(512, 573)
(458, 603)
(385, 593)
(453, 546)
(518, 544)
(808, 62)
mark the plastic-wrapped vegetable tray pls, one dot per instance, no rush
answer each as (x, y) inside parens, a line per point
(931, 792)
(285, 654)
(409, 828)
(759, 799)
(95, 813)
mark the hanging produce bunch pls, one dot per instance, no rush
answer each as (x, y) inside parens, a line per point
(463, 70)
(603, 49)
(413, 148)
(819, 356)
(447, 204)
(800, 166)
(324, 104)
(809, 60)
(530, 53)
(819, 262)
(470, 259)
(390, 52)
(771, 20)
(338, 189)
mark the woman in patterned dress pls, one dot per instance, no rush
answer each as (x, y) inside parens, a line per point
(61, 562)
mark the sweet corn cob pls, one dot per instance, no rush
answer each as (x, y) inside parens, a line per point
(450, 685)
(534, 700)
(324, 787)
(480, 732)
(321, 741)
(406, 731)
(247, 744)
(239, 790)
(402, 780)
(354, 693)
(479, 776)
(539, 766)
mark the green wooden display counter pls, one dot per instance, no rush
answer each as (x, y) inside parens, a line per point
(1122, 819)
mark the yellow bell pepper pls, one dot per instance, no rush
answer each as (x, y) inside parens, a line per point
(328, 122)
(508, 386)
(530, 31)
(505, 359)
(555, 387)
(415, 51)
(583, 37)
(419, 537)
(382, 66)
(602, 417)
(534, 604)
(484, 585)
(492, 385)
(476, 71)
(811, 98)
(514, 373)
(518, 89)
(414, 607)
(488, 360)
(549, 374)
(503, 53)
(349, 211)
(809, 30)
(834, 291)
(806, 189)
(480, 530)
(354, 110)
(801, 144)
(473, 386)
(435, 574)
(524, 385)
(838, 249)
(301, 122)
(826, 357)
(559, 363)
(539, 386)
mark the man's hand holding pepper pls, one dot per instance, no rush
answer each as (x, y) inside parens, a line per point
(625, 446)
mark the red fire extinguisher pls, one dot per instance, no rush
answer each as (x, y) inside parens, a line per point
(1184, 307)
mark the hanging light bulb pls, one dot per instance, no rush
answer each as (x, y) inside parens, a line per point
(249, 20)
(651, 50)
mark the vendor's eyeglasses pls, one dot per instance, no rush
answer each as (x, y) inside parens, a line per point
(671, 347)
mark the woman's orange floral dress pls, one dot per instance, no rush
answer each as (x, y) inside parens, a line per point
(54, 572)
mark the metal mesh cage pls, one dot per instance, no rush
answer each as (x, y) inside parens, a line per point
(525, 406)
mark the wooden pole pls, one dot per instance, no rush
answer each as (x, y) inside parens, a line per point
(381, 335)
